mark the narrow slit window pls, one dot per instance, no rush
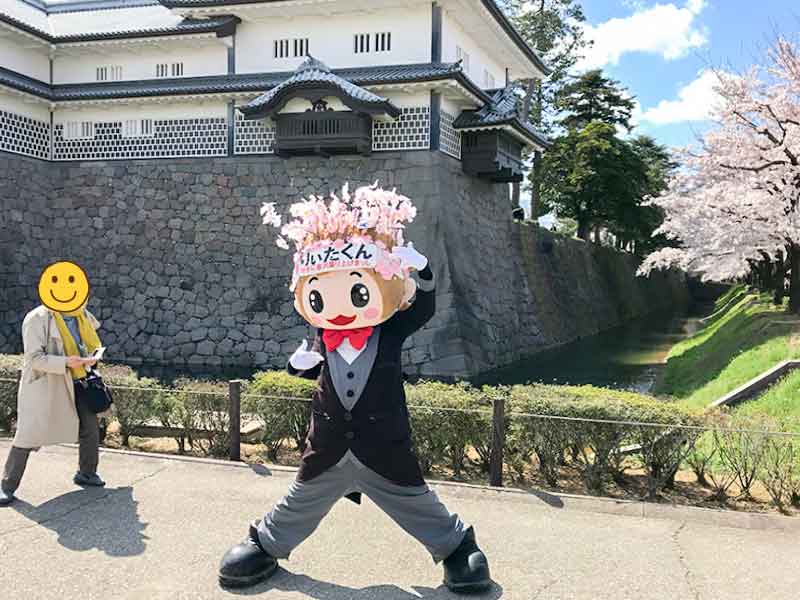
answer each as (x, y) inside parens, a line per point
(177, 69)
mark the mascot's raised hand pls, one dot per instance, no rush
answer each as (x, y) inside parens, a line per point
(304, 359)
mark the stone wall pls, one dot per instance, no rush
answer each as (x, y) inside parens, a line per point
(183, 273)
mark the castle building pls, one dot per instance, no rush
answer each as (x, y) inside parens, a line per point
(133, 79)
(139, 137)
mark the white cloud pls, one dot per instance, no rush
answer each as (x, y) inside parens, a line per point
(668, 30)
(694, 102)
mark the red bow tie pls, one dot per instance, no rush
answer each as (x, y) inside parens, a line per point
(357, 337)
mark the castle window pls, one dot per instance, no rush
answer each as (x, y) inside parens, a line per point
(109, 73)
(177, 69)
(162, 70)
(368, 42)
(133, 128)
(301, 47)
(281, 49)
(78, 130)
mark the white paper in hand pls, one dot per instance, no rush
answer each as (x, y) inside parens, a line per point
(98, 353)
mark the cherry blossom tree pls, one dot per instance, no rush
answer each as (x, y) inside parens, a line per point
(736, 201)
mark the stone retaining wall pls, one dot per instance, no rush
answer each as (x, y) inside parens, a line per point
(184, 273)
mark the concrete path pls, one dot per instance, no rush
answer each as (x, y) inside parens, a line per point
(160, 527)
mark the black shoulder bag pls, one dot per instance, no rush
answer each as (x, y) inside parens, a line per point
(93, 392)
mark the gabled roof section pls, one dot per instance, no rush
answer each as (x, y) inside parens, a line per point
(107, 20)
(501, 111)
(314, 76)
(216, 84)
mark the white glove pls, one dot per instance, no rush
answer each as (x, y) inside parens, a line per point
(410, 257)
(304, 359)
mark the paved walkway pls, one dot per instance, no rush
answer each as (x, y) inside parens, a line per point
(160, 527)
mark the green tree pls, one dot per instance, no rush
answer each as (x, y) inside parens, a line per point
(593, 97)
(592, 176)
(554, 28)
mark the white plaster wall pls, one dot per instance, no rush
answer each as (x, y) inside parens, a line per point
(331, 39)
(408, 99)
(24, 57)
(139, 61)
(480, 58)
(121, 112)
(16, 104)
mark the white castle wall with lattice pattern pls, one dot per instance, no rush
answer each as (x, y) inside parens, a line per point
(141, 134)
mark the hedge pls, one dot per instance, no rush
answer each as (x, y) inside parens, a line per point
(596, 447)
(552, 429)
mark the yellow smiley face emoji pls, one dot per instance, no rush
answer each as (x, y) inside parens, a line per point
(63, 287)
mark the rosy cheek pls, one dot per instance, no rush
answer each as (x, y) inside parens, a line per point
(371, 313)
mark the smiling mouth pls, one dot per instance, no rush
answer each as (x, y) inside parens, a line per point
(71, 299)
(342, 320)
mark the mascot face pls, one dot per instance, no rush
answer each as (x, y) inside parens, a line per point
(351, 299)
(346, 274)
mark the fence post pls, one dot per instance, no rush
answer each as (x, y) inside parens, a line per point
(234, 417)
(498, 441)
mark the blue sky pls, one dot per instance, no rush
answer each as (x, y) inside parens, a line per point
(661, 51)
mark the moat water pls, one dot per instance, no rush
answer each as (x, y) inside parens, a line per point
(629, 357)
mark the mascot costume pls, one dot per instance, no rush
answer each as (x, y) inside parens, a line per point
(352, 282)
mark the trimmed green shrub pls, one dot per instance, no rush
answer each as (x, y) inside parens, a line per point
(10, 365)
(201, 408)
(277, 399)
(596, 447)
(442, 435)
(133, 398)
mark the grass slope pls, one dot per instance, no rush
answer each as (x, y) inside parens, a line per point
(745, 336)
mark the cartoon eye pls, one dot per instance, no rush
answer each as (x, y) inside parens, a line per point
(315, 300)
(72, 279)
(54, 279)
(359, 295)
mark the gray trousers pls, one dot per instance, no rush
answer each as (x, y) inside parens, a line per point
(417, 510)
(88, 451)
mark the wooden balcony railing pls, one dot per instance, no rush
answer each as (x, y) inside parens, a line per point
(328, 132)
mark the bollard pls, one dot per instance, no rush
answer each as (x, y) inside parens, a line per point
(234, 417)
(498, 441)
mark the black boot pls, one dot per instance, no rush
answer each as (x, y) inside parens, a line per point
(466, 569)
(247, 563)
(6, 498)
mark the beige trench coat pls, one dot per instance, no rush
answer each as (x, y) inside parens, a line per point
(46, 411)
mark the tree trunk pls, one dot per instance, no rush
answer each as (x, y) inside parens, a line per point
(536, 184)
(794, 278)
(597, 234)
(778, 282)
(583, 230)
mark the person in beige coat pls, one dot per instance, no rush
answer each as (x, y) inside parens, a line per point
(47, 412)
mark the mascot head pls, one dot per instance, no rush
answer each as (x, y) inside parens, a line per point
(345, 273)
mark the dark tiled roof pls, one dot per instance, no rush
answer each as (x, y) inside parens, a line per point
(315, 74)
(21, 82)
(250, 82)
(491, 6)
(223, 25)
(501, 110)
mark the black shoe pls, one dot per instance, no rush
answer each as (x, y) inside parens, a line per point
(466, 570)
(85, 480)
(247, 563)
(6, 498)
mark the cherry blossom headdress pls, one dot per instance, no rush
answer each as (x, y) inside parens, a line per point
(357, 230)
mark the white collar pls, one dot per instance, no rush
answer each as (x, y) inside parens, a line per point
(347, 352)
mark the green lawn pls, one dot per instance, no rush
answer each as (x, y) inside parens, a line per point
(745, 336)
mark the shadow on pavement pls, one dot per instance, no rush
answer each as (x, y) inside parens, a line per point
(105, 519)
(309, 587)
(550, 499)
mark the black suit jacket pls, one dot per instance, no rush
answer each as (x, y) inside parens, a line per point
(377, 430)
